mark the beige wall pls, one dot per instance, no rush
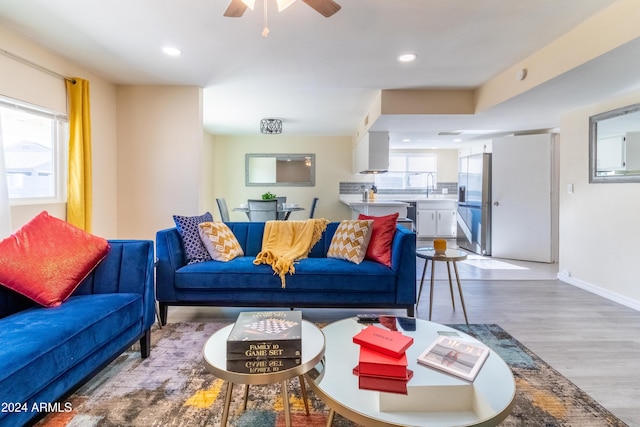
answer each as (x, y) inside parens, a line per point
(28, 84)
(333, 164)
(599, 225)
(160, 146)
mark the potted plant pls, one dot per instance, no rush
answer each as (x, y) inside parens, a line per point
(268, 196)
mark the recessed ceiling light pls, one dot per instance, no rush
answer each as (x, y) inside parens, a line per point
(407, 57)
(406, 140)
(457, 140)
(171, 51)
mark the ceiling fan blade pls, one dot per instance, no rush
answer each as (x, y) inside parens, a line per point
(325, 7)
(236, 9)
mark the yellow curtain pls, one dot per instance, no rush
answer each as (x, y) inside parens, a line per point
(79, 198)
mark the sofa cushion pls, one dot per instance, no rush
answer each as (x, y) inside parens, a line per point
(40, 345)
(47, 258)
(384, 228)
(312, 274)
(188, 228)
(351, 240)
(219, 241)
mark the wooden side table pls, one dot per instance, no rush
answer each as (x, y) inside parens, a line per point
(450, 256)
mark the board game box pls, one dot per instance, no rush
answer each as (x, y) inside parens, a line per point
(261, 366)
(266, 335)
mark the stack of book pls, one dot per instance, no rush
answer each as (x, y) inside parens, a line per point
(265, 342)
(382, 363)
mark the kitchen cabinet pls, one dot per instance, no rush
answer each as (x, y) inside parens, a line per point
(437, 219)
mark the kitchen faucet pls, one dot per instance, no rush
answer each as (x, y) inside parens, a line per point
(430, 175)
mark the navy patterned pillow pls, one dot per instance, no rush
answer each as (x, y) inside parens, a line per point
(188, 228)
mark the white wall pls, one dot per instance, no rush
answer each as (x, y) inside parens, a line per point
(333, 164)
(599, 226)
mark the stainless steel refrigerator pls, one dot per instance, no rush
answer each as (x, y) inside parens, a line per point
(474, 203)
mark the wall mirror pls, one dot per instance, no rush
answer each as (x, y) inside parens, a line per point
(280, 170)
(614, 145)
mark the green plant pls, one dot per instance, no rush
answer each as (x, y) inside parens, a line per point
(268, 196)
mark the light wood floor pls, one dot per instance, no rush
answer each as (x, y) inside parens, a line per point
(590, 340)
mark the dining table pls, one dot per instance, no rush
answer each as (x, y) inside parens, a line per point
(284, 211)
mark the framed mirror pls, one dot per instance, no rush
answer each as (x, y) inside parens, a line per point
(280, 170)
(614, 145)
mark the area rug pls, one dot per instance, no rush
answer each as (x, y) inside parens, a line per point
(173, 388)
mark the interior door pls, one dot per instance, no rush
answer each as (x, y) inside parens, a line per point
(522, 210)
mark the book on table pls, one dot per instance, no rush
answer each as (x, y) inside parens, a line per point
(392, 343)
(382, 383)
(266, 335)
(371, 362)
(455, 356)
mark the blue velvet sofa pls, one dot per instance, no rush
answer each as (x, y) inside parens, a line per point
(318, 281)
(47, 353)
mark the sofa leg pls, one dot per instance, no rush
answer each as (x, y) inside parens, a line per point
(411, 311)
(164, 311)
(145, 344)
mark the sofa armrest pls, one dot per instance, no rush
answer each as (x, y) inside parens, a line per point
(170, 257)
(127, 268)
(403, 263)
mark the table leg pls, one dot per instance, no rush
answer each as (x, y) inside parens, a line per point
(330, 418)
(451, 285)
(424, 270)
(433, 265)
(464, 309)
(303, 388)
(285, 401)
(227, 402)
(246, 397)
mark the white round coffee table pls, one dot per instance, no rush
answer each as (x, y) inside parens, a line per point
(484, 402)
(215, 359)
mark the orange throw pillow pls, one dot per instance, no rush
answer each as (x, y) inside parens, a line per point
(384, 228)
(48, 258)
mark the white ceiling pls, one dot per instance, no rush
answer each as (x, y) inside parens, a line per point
(320, 75)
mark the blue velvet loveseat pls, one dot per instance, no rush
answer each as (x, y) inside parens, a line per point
(46, 353)
(318, 281)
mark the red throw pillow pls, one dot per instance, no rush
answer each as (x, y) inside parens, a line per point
(384, 228)
(48, 258)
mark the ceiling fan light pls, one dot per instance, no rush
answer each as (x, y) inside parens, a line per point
(283, 4)
(249, 3)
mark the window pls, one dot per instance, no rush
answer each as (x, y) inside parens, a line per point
(33, 141)
(409, 171)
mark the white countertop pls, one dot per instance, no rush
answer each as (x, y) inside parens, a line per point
(354, 200)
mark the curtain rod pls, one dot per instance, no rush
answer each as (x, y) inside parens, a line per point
(36, 66)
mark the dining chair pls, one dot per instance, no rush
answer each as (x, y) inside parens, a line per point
(263, 210)
(314, 203)
(281, 201)
(224, 211)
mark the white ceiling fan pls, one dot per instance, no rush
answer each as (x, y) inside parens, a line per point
(325, 7)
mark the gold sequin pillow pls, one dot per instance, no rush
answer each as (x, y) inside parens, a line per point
(219, 241)
(351, 240)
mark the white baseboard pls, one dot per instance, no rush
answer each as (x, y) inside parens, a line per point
(612, 296)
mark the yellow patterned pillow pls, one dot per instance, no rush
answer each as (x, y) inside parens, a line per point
(351, 240)
(219, 241)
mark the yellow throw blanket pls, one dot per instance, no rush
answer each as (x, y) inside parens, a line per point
(285, 242)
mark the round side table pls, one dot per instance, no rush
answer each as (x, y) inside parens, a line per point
(215, 359)
(450, 256)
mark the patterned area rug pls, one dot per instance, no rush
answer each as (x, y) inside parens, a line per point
(173, 388)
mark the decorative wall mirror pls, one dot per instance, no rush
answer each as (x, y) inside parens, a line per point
(614, 145)
(280, 170)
